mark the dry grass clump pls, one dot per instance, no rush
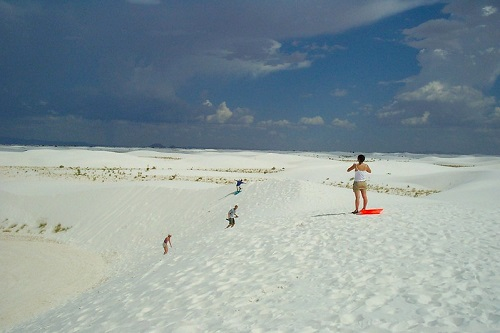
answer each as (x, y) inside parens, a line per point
(245, 170)
(117, 174)
(403, 191)
(40, 228)
(167, 157)
(455, 165)
(60, 228)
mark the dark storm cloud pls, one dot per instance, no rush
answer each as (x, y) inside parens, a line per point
(127, 60)
(128, 72)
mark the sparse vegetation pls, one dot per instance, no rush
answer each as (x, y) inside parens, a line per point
(408, 191)
(40, 228)
(21, 227)
(167, 157)
(244, 170)
(455, 165)
(9, 228)
(116, 174)
(60, 228)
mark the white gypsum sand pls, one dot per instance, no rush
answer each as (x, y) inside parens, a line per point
(296, 260)
(37, 275)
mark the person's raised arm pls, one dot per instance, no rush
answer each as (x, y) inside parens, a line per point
(368, 169)
(352, 167)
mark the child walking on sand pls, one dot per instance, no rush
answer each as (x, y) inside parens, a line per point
(166, 242)
(231, 215)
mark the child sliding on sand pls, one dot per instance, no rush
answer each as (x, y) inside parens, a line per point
(238, 185)
(166, 242)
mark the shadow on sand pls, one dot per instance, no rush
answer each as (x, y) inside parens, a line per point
(230, 193)
(331, 214)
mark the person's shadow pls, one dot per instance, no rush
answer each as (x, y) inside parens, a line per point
(231, 193)
(331, 214)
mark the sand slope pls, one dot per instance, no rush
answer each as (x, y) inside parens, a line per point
(296, 261)
(37, 275)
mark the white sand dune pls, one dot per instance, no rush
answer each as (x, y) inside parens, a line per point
(37, 275)
(296, 261)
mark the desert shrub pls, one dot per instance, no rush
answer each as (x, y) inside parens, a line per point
(60, 228)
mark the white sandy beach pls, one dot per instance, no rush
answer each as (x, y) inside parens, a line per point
(81, 234)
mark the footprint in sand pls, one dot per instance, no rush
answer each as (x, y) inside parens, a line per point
(376, 302)
(350, 318)
(143, 313)
(154, 268)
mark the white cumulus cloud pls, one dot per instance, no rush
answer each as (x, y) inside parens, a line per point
(439, 92)
(312, 121)
(339, 92)
(489, 10)
(343, 123)
(450, 105)
(277, 123)
(222, 115)
(416, 120)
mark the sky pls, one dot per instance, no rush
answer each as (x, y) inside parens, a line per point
(319, 75)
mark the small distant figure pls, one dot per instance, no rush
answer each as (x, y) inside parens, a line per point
(360, 171)
(238, 185)
(231, 215)
(166, 242)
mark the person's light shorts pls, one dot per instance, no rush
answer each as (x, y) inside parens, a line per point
(357, 186)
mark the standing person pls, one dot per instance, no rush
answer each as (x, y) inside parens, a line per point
(238, 185)
(360, 171)
(166, 242)
(231, 215)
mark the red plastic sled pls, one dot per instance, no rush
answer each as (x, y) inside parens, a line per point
(370, 211)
